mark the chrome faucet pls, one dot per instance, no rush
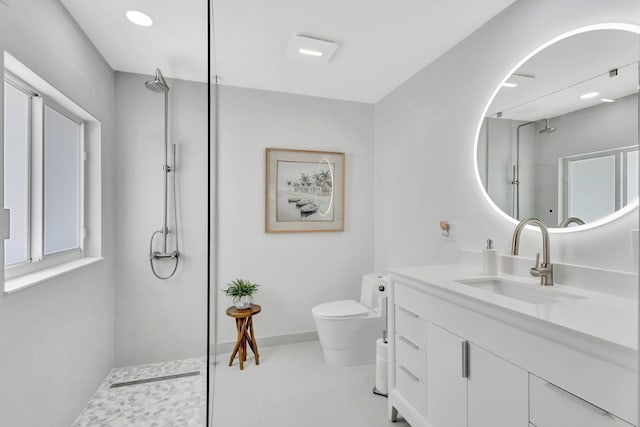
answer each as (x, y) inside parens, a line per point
(545, 270)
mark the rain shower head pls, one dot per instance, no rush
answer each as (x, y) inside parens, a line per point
(547, 128)
(158, 84)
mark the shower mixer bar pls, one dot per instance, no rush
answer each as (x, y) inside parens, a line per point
(159, 85)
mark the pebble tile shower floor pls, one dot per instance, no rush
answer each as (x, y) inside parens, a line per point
(177, 402)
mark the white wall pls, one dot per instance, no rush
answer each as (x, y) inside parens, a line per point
(160, 320)
(299, 270)
(56, 338)
(424, 150)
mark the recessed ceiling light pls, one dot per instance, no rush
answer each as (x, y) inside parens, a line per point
(589, 95)
(139, 18)
(607, 100)
(309, 52)
(507, 84)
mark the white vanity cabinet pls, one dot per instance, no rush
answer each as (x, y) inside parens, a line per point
(411, 358)
(447, 381)
(470, 387)
(551, 406)
(458, 363)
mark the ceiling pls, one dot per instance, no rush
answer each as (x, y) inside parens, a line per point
(567, 69)
(381, 43)
(176, 42)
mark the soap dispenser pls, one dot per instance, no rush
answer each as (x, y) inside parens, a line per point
(490, 259)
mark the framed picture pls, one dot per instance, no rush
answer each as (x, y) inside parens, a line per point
(304, 191)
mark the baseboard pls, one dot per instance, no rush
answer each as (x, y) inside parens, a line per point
(227, 347)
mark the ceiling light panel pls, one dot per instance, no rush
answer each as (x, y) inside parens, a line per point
(310, 50)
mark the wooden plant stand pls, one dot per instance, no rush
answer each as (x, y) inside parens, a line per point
(244, 326)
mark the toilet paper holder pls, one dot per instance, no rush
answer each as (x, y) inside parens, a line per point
(381, 386)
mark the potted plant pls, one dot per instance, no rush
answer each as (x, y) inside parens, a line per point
(241, 291)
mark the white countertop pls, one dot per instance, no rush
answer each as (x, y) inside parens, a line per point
(605, 317)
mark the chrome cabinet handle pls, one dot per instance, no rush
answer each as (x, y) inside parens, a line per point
(410, 313)
(583, 402)
(407, 342)
(465, 359)
(409, 374)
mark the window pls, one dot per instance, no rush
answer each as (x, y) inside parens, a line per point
(598, 184)
(43, 180)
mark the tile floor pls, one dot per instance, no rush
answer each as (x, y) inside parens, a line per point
(176, 402)
(294, 387)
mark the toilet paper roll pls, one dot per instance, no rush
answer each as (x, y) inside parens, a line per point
(381, 287)
(382, 375)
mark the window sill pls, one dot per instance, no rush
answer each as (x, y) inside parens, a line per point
(22, 282)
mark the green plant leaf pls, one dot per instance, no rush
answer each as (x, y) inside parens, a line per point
(240, 288)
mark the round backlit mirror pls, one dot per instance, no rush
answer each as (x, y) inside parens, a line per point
(560, 138)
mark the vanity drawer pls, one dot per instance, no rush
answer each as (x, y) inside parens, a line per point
(551, 406)
(411, 299)
(412, 327)
(411, 388)
(412, 357)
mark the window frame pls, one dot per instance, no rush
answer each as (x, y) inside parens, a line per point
(17, 84)
(36, 232)
(620, 177)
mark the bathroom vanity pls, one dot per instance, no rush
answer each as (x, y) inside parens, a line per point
(478, 351)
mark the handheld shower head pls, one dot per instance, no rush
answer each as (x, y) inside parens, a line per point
(547, 128)
(158, 84)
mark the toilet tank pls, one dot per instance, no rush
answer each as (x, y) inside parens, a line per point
(369, 282)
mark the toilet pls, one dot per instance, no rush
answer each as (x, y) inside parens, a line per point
(348, 329)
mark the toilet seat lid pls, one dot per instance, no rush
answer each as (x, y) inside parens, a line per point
(343, 308)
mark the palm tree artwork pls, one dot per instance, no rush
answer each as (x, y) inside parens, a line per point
(308, 189)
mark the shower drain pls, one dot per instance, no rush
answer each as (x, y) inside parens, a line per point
(155, 379)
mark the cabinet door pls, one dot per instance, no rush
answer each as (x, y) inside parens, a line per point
(497, 391)
(446, 385)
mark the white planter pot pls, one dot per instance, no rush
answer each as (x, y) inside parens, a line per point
(243, 302)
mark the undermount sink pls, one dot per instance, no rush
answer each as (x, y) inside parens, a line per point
(520, 291)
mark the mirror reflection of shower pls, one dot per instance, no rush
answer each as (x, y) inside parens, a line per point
(515, 169)
(165, 254)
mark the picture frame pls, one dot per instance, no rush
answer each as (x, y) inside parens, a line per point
(304, 191)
